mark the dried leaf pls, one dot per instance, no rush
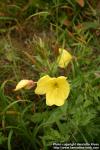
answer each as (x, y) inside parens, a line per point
(80, 2)
(67, 22)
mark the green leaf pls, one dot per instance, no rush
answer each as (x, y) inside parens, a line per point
(2, 138)
(38, 117)
(55, 116)
(87, 103)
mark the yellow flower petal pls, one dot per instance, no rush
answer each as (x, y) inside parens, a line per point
(64, 58)
(56, 89)
(57, 92)
(42, 85)
(28, 84)
(55, 97)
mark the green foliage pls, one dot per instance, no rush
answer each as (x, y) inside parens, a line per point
(2, 138)
(31, 32)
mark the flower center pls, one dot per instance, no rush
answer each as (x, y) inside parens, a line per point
(55, 85)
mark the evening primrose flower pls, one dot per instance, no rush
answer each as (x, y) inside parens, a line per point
(64, 58)
(56, 89)
(27, 84)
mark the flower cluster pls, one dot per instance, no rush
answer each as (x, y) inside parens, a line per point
(56, 89)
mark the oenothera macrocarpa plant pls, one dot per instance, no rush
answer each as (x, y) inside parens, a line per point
(56, 89)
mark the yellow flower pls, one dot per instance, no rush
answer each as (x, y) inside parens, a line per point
(27, 84)
(64, 58)
(56, 89)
